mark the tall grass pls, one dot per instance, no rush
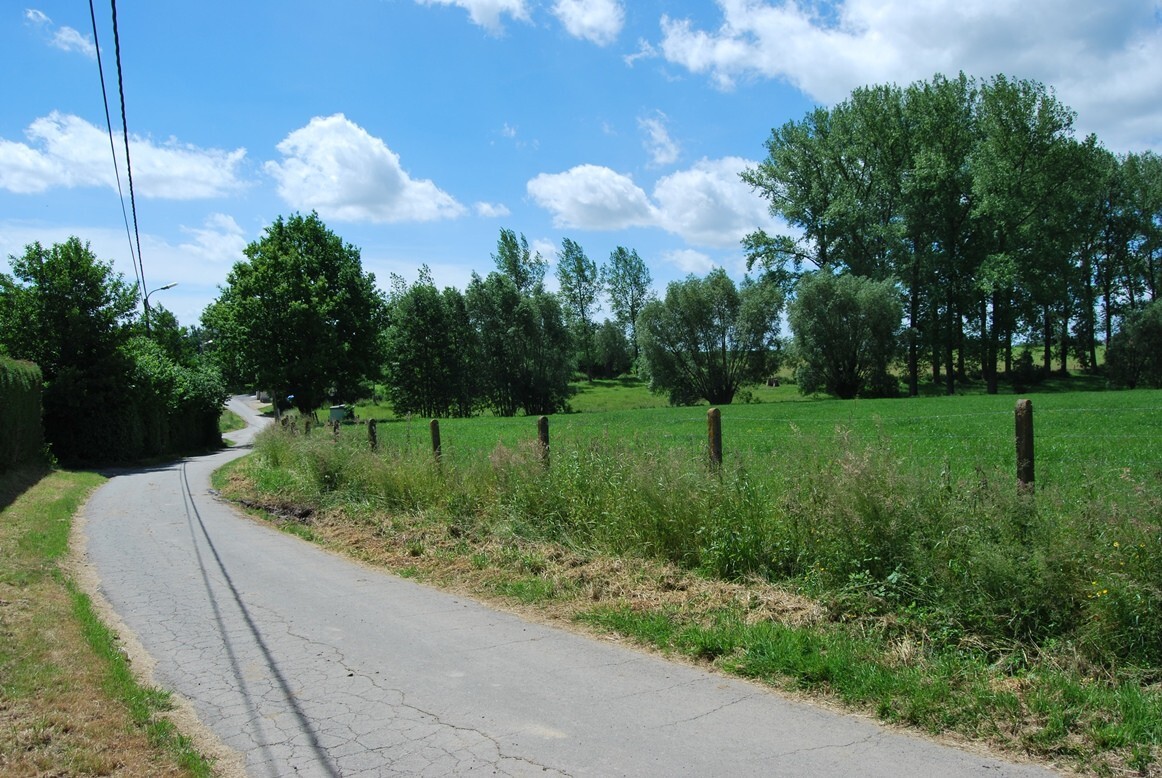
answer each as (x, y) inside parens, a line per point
(897, 509)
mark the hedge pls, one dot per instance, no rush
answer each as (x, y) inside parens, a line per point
(21, 434)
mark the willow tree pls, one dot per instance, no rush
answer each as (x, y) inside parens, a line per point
(708, 338)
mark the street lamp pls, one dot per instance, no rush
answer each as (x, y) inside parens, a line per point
(145, 303)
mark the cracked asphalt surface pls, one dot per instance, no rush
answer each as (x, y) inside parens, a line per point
(311, 665)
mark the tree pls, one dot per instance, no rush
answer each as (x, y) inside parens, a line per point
(938, 211)
(845, 330)
(974, 197)
(611, 351)
(64, 309)
(523, 354)
(513, 259)
(802, 181)
(708, 338)
(627, 282)
(108, 396)
(580, 285)
(181, 344)
(430, 351)
(69, 312)
(1020, 166)
(300, 317)
(1134, 356)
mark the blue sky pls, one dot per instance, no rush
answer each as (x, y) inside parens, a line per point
(419, 128)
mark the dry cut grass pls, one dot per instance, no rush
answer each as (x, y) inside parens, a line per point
(56, 715)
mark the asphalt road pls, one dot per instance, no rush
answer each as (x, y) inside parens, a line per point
(309, 664)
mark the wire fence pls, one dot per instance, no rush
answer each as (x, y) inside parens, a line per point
(1071, 445)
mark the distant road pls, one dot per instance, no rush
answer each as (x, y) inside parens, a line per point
(311, 665)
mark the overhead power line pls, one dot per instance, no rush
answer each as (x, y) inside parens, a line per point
(113, 150)
(128, 162)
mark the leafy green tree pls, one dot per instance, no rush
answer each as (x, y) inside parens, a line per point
(1134, 356)
(108, 396)
(580, 286)
(181, 344)
(514, 259)
(611, 351)
(974, 196)
(802, 181)
(845, 330)
(463, 355)
(708, 337)
(1021, 165)
(427, 363)
(938, 210)
(1143, 184)
(627, 281)
(64, 309)
(493, 305)
(300, 317)
(69, 312)
(523, 347)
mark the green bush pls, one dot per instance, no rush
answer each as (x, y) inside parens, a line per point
(21, 433)
(1134, 356)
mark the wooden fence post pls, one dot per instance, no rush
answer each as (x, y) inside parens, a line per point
(543, 439)
(437, 450)
(1024, 418)
(373, 434)
(714, 436)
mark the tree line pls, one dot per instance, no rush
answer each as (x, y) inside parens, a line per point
(300, 317)
(976, 200)
(946, 227)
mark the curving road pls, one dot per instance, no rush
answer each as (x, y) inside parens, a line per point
(308, 664)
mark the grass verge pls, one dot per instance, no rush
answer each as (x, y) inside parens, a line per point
(69, 704)
(230, 421)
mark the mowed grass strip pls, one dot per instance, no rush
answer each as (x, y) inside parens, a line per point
(69, 704)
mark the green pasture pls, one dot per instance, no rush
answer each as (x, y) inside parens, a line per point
(1083, 439)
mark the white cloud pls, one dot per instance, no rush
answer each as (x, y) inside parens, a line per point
(645, 50)
(689, 261)
(545, 247)
(66, 151)
(706, 205)
(219, 240)
(592, 197)
(491, 210)
(68, 39)
(663, 149)
(64, 38)
(1102, 58)
(487, 13)
(598, 21)
(337, 168)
